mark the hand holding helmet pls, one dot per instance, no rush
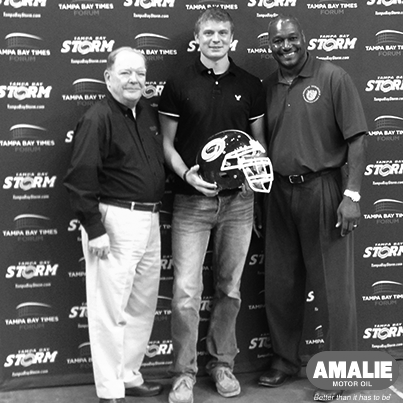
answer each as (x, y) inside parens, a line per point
(193, 178)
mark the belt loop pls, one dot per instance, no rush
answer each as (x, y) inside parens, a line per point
(132, 206)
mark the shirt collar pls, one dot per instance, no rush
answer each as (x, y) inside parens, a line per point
(201, 68)
(123, 108)
(306, 71)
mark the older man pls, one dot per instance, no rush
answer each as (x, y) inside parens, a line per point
(116, 181)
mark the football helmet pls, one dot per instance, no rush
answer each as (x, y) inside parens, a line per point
(230, 156)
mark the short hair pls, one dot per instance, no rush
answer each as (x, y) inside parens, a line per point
(285, 17)
(112, 56)
(215, 14)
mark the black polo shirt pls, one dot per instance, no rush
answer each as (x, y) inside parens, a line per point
(205, 104)
(117, 156)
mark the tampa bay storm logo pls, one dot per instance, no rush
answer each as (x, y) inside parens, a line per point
(311, 94)
(213, 149)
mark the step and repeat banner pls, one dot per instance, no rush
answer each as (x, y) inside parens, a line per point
(52, 58)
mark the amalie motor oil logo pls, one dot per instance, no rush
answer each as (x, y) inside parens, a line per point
(352, 370)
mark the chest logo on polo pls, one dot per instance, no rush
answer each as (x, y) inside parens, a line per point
(238, 97)
(311, 94)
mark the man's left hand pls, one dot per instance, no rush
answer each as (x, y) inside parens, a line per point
(348, 216)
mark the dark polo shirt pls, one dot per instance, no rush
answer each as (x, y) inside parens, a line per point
(205, 104)
(309, 121)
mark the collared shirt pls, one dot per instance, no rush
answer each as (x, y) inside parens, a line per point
(206, 104)
(117, 156)
(310, 121)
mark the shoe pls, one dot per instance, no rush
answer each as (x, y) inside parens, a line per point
(182, 390)
(146, 389)
(226, 383)
(273, 378)
(122, 400)
(321, 395)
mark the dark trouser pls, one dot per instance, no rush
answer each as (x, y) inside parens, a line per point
(302, 243)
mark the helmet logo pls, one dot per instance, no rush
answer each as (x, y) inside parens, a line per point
(213, 149)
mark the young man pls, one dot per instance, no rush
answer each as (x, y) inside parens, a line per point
(116, 181)
(315, 125)
(207, 97)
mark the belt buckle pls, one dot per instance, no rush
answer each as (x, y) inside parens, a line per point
(296, 179)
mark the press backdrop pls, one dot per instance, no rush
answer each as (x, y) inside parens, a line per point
(52, 58)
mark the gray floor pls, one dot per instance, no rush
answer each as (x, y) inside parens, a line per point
(297, 390)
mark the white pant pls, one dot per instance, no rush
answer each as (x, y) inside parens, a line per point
(122, 293)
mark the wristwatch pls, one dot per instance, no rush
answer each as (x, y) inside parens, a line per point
(354, 196)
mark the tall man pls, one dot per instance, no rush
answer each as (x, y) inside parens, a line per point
(315, 125)
(207, 97)
(116, 181)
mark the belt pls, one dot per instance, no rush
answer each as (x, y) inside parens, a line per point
(131, 205)
(298, 179)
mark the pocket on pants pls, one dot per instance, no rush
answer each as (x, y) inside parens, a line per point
(103, 209)
(246, 191)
